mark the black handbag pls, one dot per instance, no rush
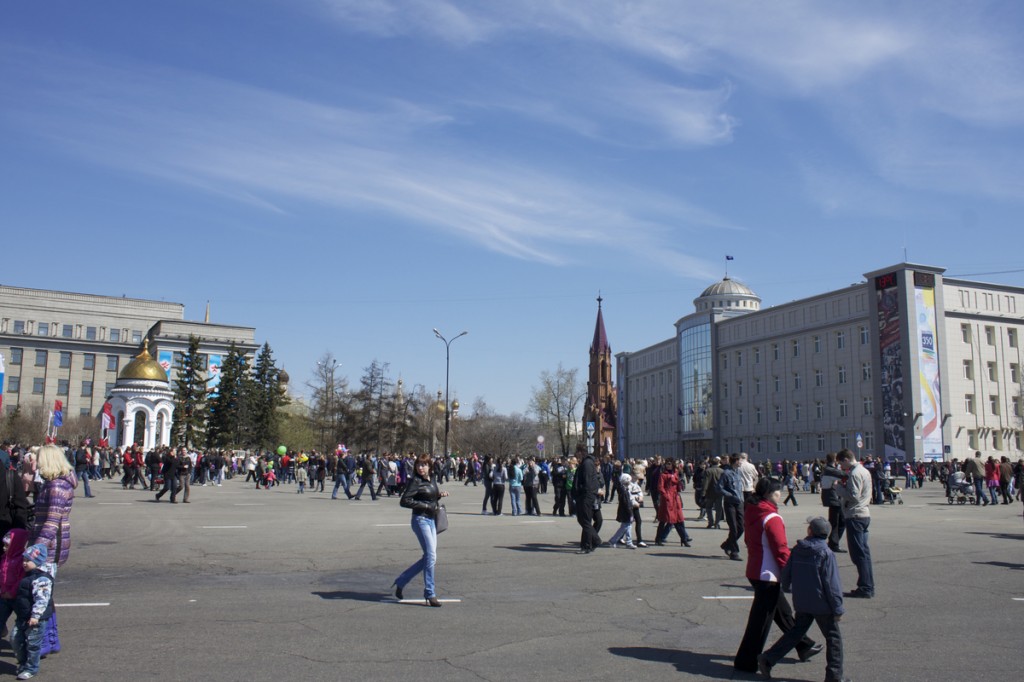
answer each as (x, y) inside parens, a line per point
(441, 519)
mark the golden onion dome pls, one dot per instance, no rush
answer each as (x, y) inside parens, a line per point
(144, 367)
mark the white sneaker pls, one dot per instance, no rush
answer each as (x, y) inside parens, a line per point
(631, 546)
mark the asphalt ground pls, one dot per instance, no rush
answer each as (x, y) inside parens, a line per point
(245, 584)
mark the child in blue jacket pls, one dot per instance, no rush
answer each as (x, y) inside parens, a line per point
(817, 597)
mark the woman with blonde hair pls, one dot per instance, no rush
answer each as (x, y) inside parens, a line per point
(52, 525)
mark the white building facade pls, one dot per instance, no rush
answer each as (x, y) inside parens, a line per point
(905, 365)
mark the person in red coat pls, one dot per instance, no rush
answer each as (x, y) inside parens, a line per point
(767, 554)
(670, 505)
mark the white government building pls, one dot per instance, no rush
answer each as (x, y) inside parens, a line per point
(84, 349)
(919, 366)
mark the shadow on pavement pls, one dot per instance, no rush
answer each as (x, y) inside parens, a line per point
(709, 665)
(543, 547)
(352, 596)
(1000, 564)
(998, 536)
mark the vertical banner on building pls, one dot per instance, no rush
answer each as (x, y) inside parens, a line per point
(928, 367)
(166, 360)
(213, 376)
(889, 330)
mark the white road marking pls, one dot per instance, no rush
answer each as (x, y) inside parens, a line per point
(250, 504)
(420, 601)
(731, 597)
(98, 603)
(223, 526)
(527, 523)
(1018, 599)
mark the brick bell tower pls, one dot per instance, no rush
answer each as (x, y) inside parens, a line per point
(602, 402)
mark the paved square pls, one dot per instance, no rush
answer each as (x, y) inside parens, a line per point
(249, 585)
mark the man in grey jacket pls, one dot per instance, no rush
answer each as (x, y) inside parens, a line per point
(855, 495)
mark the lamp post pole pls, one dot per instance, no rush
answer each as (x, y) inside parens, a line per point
(447, 369)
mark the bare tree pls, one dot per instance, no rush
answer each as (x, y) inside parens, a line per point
(329, 402)
(495, 434)
(555, 403)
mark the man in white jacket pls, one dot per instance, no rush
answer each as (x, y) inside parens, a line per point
(855, 495)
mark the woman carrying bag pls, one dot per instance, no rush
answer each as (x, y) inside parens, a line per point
(421, 496)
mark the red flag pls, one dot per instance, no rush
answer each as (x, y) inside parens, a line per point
(108, 417)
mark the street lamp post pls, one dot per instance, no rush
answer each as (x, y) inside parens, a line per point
(447, 369)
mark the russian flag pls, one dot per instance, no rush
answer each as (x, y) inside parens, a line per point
(58, 413)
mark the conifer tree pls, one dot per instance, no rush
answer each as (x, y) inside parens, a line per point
(189, 427)
(266, 398)
(228, 409)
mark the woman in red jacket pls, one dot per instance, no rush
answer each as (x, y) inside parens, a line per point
(767, 554)
(992, 479)
(670, 505)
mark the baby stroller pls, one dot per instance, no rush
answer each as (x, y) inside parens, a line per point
(891, 493)
(960, 491)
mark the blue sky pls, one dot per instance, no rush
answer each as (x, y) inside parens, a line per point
(347, 175)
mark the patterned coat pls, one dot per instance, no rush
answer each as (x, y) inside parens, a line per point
(53, 516)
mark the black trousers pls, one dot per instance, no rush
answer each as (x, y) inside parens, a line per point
(589, 539)
(637, 524)
(769, 604)
(733, 517)
(559, 507)
(487, 494)
(833, 643)
(497, 497)
(835, 519)
(532, 504)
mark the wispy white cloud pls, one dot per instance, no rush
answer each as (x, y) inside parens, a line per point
(264, 148)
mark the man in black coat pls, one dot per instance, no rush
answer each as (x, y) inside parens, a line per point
(169, 468)
(830, 474)
(586, 487)
(13, 501)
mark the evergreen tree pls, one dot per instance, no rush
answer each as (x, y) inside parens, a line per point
(189, 427)
(228, 413)
(266, 397)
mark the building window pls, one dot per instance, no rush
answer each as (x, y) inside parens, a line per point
(819, 378)
(86, 389)
(1016, 441)
(739, 417)
(965, 333)
(37, 385)
(798, 444)
(739, 358)
(16, 355)
(63, 386)
(992, 373)
(972, 439)
(775, 350)
(1014, 373)
(43, 329)
(968, 369)
(757, 386)
(65, 359)
(993, 403)
(14, 384)
(136, 336)
(1011, 339)
(778, 444)
(111, 363)
(840, 340)
(778, 413)
(108, 387)
(869, 441)
(990, 336)
(725, 361)
(864, 336)
(969, 403)
(115, 335)
(777, 383)
(796, 348)
(796, 381)
(757, 356)
(844, 409)
(868, 407)
(739, 389)
(1016, 406)
(67, 331)
(757, 415)
(40, 358)
(19, 326)
(865, 371)
(819, 410)
(821, 442)
(725, 390)
(844, 441)
(90, 333)
(842, 374)
(89, 361)
(796, 412)
(84, 411)
(725, 417)
(817, 344)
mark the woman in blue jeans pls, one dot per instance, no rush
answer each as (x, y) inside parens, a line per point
(422, 495)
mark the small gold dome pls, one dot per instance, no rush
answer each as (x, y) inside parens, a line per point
(144, 367)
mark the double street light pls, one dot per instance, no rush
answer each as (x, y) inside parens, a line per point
(447, 368)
